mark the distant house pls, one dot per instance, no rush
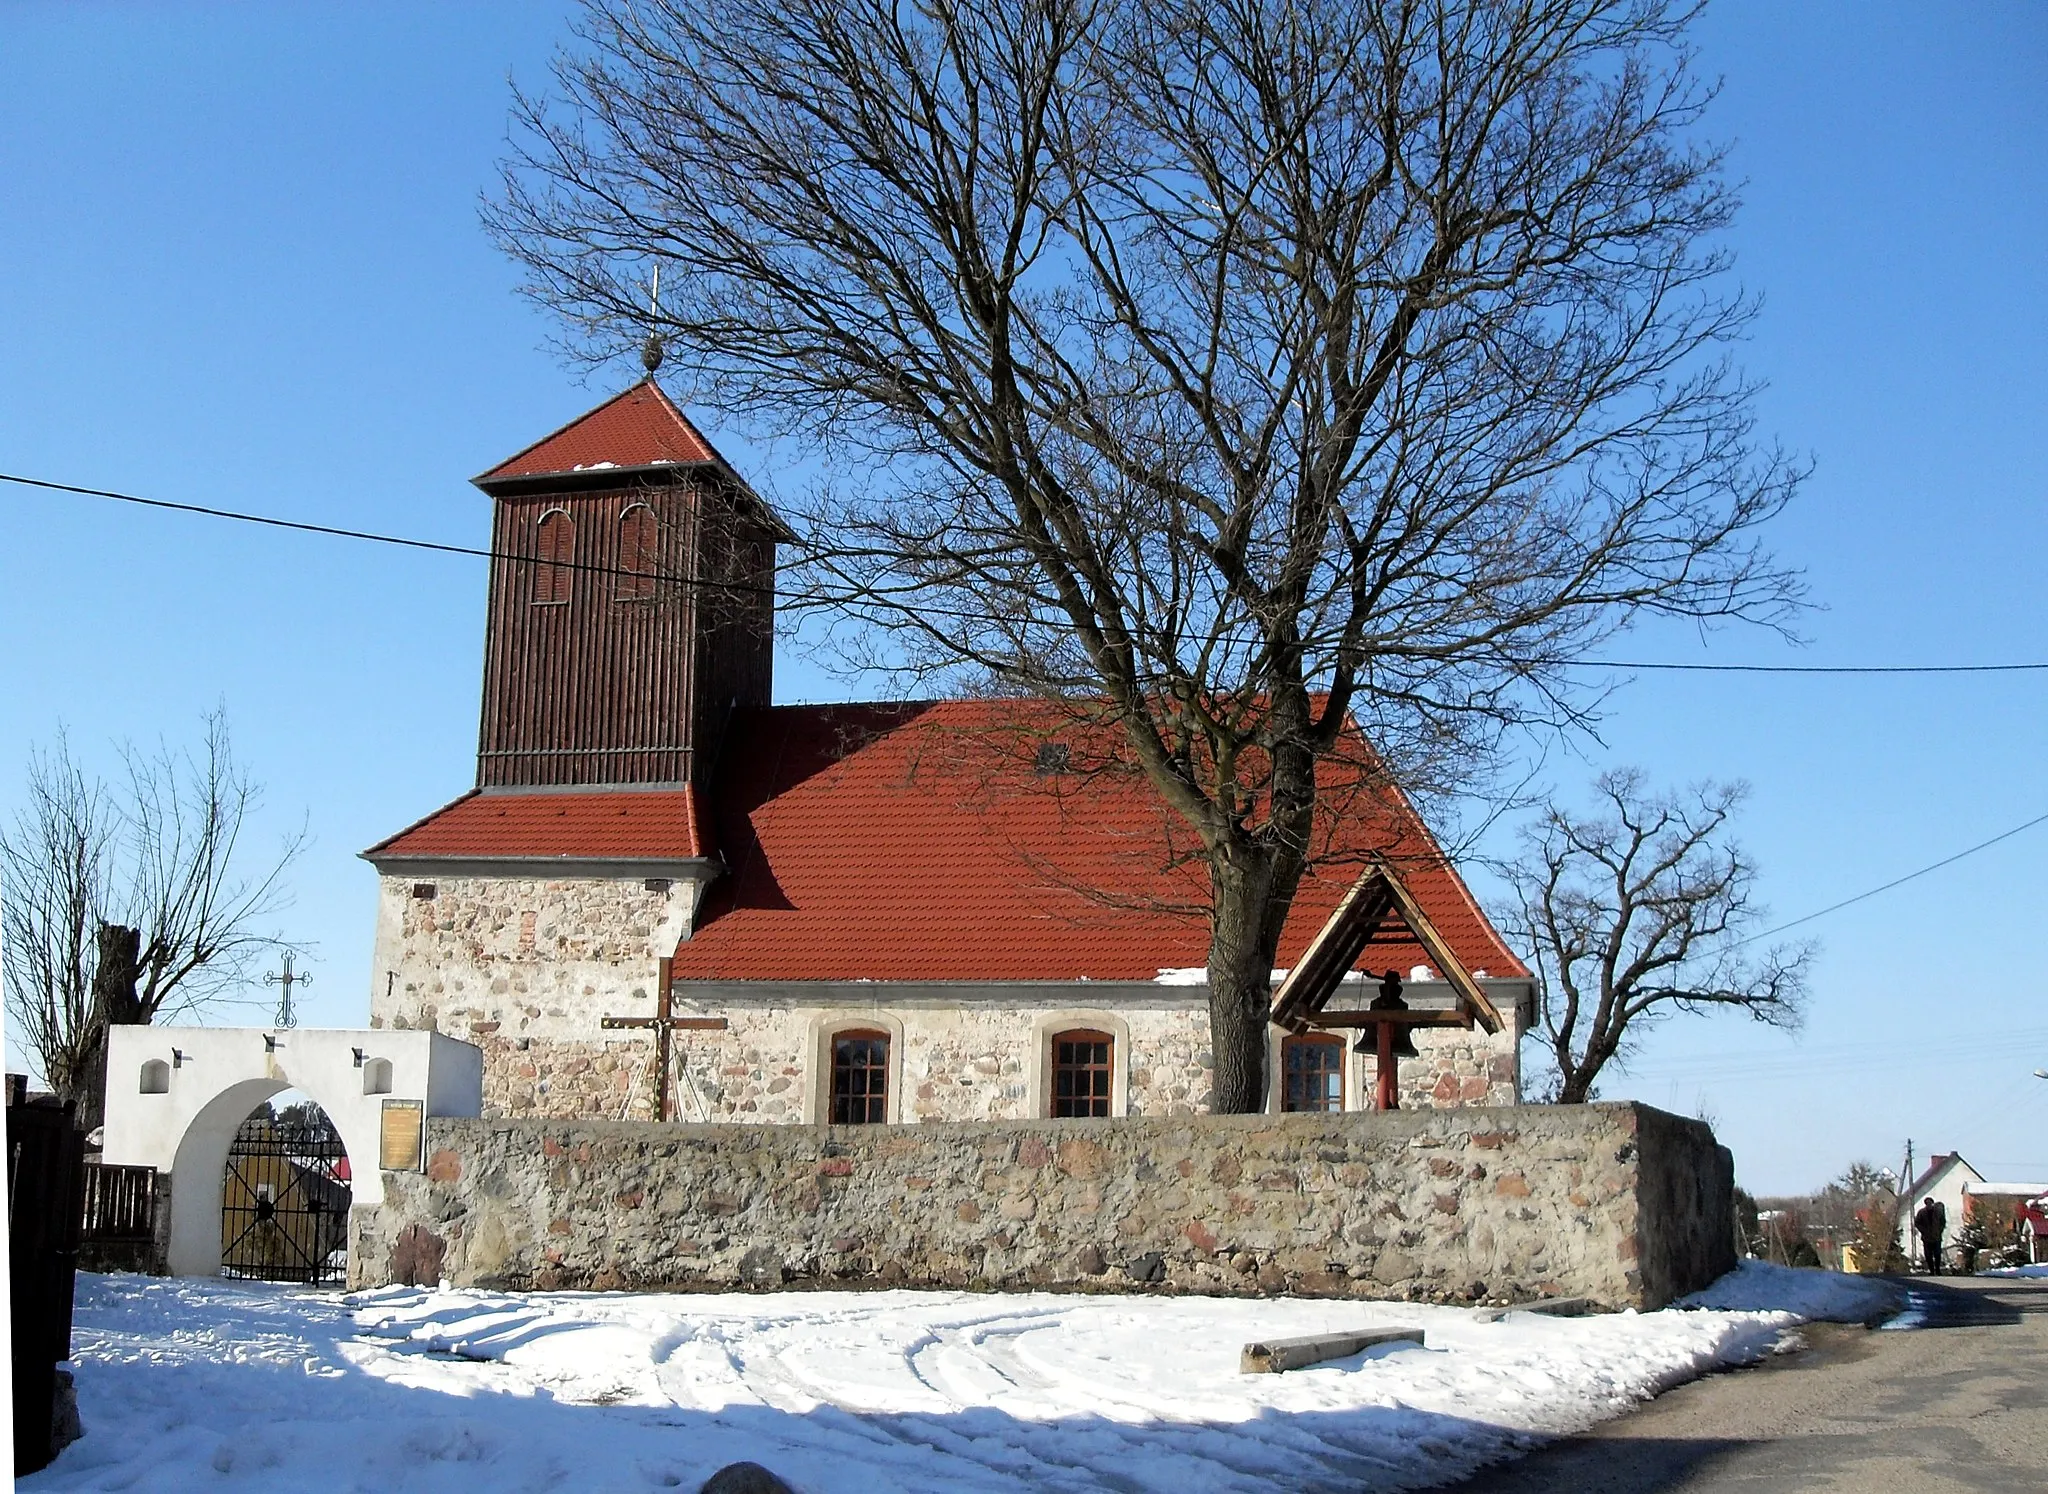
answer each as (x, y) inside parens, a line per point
(1968, 1196)
(1945, 1181)
(2034, 1228)
(2017, 1207)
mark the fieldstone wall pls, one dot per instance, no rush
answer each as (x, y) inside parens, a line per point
(525, 967)
(1617, 1203)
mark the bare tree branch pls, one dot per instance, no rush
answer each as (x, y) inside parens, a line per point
(1637, 911)
(1257, 367)
(121, 908)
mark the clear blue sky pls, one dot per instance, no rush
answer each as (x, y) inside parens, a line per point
(240, 264)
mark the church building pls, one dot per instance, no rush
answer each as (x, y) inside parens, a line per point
(668, 897)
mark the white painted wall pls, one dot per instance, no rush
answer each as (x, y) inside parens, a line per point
(217, 1075)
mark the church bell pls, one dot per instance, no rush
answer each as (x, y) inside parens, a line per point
(1404, 1043)
(1389, 1000)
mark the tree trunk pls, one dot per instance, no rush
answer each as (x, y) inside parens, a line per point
(1240, 980)
(114, 978)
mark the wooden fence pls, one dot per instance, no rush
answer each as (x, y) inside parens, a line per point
(117, 1228)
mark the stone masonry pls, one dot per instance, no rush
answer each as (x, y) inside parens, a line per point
(1614, 1202)
(526, 967)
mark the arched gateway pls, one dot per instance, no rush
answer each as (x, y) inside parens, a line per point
(176, 1096)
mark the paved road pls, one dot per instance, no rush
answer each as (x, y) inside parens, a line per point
(1961, 1404)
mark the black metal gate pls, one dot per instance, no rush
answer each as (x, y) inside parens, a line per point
(284, 1201)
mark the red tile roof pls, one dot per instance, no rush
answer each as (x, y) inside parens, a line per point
(574, 825)
(640, 428)
(917, 843)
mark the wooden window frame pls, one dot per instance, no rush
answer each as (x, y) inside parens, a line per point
(1300, 1042)
(637, 587)
(553, 580)
(870, 1100)
(1100, 1100)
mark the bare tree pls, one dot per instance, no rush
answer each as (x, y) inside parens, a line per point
(1638, 911)
(120, 908)
(1233, 370)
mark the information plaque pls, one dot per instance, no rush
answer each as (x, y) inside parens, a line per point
(403, 1136)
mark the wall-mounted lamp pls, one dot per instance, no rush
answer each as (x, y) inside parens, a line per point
(177, 1058)
(359, 1056)
(269, 1042)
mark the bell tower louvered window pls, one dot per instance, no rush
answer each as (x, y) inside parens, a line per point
(554, 552)
(639, 553)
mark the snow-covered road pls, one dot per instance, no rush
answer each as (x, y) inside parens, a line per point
(187, 1385)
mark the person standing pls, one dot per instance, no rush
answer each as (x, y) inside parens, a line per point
(1930, 1222)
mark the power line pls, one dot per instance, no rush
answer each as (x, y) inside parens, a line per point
(1981, 845)
(1810, 668)
(373, 537)
(329, 530)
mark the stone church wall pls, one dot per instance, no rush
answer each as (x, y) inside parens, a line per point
(526, 968)
(968, 1054)
(1615, 1202)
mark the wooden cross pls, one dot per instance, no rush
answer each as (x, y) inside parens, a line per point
(663, 1022)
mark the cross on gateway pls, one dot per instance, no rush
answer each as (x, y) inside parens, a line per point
(663, 1022)
(286, 1017)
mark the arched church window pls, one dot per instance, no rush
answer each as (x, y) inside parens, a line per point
(156, 1077)
(554, 553)
(1081, 1072)
(860, 1078)
(639, 553)
(1312, 1073)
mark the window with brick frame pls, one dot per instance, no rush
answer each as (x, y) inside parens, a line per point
(860, 1078)
(1083, 1068)
(1312, 1073)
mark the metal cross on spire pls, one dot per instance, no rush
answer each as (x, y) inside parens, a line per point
(652, 349)
(285, 980)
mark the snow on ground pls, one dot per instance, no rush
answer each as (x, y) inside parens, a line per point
(1817, 1296)
(217, 1385)
(2040, 1270)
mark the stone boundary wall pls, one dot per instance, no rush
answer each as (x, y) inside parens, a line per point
(1618, 1203)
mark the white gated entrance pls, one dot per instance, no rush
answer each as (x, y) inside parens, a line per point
(176, 1096)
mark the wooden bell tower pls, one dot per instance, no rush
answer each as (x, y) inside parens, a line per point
(632, 603)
